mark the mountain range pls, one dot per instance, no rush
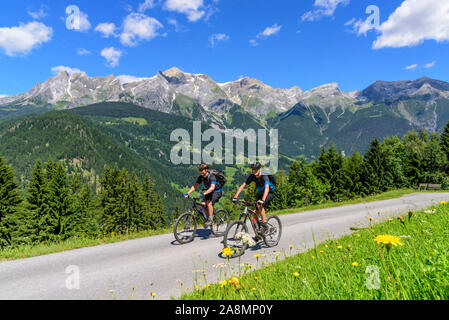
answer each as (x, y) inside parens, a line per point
(306, 120)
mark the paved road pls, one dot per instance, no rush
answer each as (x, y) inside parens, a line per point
(158, 263)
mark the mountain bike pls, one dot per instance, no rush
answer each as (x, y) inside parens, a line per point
(236, 234)
(186, 224)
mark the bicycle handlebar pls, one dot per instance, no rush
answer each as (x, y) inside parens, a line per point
(245, 203)
(193, 198)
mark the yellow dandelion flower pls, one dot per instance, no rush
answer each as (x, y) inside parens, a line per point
(296, 274)
(313, 257)
(257, 256)
(370, 218)
(256, 278)
(291, 246)
(389, 240)
(153, 294)
(223, 283)
(254, 289)
(195, 287)
(340, 247)
(227, 252)
(234, 281)
(391, 219)
(443, 201)
(355, 264)
(326, 246)
(321, 251)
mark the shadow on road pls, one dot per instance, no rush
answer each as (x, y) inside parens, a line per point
(202, 234)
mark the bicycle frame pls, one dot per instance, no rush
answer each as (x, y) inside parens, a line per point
(195, 208)
(248, 213)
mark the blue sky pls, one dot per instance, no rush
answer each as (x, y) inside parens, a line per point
(283, 43)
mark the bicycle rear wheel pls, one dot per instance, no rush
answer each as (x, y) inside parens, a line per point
(273, 235)
(221, 222)
(185, 228)
(235, 243)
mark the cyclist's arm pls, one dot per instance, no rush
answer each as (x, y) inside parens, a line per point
(265, 193)
(240, 190)
(193, 188)
(210, 190)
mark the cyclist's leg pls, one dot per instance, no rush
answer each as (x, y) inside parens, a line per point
(208, 205)
(210, 208)
(269, 198)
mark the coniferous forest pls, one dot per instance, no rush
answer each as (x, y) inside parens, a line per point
(55, 205)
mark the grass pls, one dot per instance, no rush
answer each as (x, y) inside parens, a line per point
(27, 251)
(133, 120)
(354, 267)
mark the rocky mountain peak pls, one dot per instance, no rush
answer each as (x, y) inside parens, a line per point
(174, 72)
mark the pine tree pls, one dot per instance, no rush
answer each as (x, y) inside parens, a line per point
(10, 199)
(157, 217)
(328, 170)
(306, 188)
(282, 197)
(113, 200)
(379, 177)
(413, 158)
(83, 221)
(138, 214)
(435, 162)
(354, 176)
(444, 141)
(35, 207)
(57, 212)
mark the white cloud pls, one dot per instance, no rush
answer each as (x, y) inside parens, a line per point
(411, 67)
(253, 42)
(325, 8)
(430, 65)
(3, 96)
(359, 26)
(83, 52)
(112, 56)
(269, 31)
(218, 37)
(193, 9)
(24, 38)
(69, 70)
(107, 29)
(124, 79)
(414, 22)
(41, 13)
(138, 26)
(144, 6)
(81, 24)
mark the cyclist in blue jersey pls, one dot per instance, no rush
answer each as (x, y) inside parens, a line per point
(265, 191)
(211, 195)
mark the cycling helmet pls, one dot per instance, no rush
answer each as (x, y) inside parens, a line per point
(203, 166)
(256, 165)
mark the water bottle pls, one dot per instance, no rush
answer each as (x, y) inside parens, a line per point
(204, 213)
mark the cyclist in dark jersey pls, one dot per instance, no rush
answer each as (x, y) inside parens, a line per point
(265, 192)
(211, 195)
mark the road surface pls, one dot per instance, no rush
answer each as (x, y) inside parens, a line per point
(159, 264)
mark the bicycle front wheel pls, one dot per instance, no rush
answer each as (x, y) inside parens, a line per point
(221, 222)
(273, 235)
(232, 240)
(185, 228)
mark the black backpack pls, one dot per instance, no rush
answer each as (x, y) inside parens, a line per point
(221, 176)
(270, 175)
